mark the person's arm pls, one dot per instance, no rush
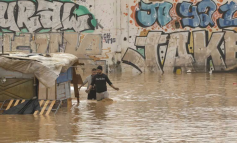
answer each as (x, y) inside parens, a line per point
(116, 88)
(89, 89)
(85, 82)
(92, 84)
(110, 83)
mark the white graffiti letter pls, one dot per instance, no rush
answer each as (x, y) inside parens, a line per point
(50, 14)
(203, 49)
(177, 55)
(230, 48)
(7, 16)
(72, 21)
(25, 12)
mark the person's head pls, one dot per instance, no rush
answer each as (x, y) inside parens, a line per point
(94, 71)
(99, 69)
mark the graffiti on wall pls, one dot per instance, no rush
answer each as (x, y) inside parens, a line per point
(202, 14)
(69, 42)
(32, 16)
(108, 39)
(180, 43)
(185, 50)
(44, 26)
(150, 13)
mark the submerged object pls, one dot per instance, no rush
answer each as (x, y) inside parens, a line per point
(210, 72)
(189, 71)
(28, 107)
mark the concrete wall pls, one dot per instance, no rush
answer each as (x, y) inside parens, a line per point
(131, 35)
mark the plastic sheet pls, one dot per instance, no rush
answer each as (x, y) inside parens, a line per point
(46, 69)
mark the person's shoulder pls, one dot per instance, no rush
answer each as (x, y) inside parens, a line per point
(105, 75)
(88, 77)
(95, 75)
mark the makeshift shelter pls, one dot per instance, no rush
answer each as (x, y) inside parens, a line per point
(47, 77)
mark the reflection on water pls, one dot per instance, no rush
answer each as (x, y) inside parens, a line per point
(148, 108)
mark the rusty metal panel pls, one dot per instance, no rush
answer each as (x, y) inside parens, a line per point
(17, 89)
(41, 41)
(7, 41)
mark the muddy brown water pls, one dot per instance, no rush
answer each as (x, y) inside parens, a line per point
(148, 108)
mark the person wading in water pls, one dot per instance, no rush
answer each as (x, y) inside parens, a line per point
(99, 80)
(92, 92)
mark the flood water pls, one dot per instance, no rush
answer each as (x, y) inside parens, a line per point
(148, 108)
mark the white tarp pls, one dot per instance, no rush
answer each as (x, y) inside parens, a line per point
(46, 69)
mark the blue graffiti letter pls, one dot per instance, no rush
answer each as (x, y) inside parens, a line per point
(206, 16)
(228, 11)
(146, 16)
(163, 13)
(189, 15)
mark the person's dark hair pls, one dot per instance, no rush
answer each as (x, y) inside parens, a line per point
(99, 67)
(94, 69)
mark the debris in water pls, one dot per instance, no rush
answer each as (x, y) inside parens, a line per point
(189, 71)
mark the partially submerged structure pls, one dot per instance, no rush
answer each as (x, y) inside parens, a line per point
(44, 77)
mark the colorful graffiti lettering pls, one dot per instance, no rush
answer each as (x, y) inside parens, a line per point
(147, 15)
(199, 15)
(44, 15)
(185, 50)
(38, 27)
(227, 18)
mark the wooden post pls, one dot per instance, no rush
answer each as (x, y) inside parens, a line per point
(69, 103)
(75, 81)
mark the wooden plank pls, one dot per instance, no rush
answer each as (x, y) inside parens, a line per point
(42, 91)
(69, 103)
(16, 103)
(45, 105)
(50, 107)
(9, 105)
(47, 93)
(52, 92)
(41, 103)
(22, 101)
